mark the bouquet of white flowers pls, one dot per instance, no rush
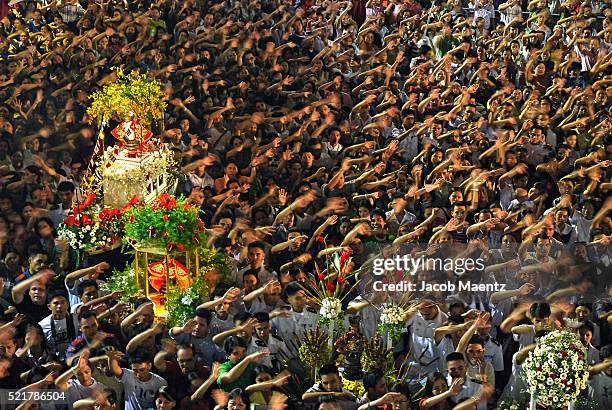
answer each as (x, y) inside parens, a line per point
(556, 371)
(392, 320)
(331, 309)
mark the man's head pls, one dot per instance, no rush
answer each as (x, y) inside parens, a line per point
(241, 319)
(540, 314)
(202, 320)
(475, 349)
(38, 293)
(185, 356)
(256, 254)
(65, 193)
(37, 261)
(295, 296)
(235, 348)
(586, 333)
(262, 325)
(455, 364)
(375, 384)
(88, 290)
(140, 363)
(330, 378)
(89, 324)
(57, 302)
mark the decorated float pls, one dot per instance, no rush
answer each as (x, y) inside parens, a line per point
(126, 199)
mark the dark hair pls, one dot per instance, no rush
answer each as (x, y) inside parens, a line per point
(477, 340)
(85, 284)
(56, 293)
(291, 289)
(242, 394)
(540, 310)
(204, 314)
(166, 391)
(329, 369)
(454, 356)
(65, 186)
(371, 378)
(257, 245)
(431, 380)
(232, 342)
(140, 355)
(86, 314)
(242, 316)
(262, 317)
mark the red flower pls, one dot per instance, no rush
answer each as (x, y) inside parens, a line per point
(320, 239)
(563, 354)
(169, 247)
(341, 280)
(180, 247)
(343, 258)
(321, 276)
(330, 287)
(86, 220)
(165, 217)
(71, 221)
(132, 219)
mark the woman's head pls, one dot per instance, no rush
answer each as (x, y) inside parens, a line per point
(238, 400)
(165, 398)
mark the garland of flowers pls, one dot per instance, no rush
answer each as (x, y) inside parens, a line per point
(182, 304)
(132, 95)
(168, 223)
(392, 321)
(556, 371)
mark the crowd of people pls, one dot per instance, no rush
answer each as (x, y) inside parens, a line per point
(441, 129)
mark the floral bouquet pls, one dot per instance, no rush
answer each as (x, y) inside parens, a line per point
(376, 355)
(392, 321)
(331, 289)
(88, 227)
(125, 281)
(313, 351)
(556, 371)
(168, 223)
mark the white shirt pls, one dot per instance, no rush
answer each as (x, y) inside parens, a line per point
(140, 395)
(76, 391)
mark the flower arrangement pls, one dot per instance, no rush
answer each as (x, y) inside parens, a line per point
(392, 320)
(556, 371)
(314, 351)
(331, 289)
(89, 227)
(182, 304)
(168, 223)
(132, 95)
(376, 355)
(354, 386)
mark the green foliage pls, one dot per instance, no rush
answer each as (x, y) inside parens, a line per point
(132, 95)
(168, 223)
(124, 280)
(181, 304)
